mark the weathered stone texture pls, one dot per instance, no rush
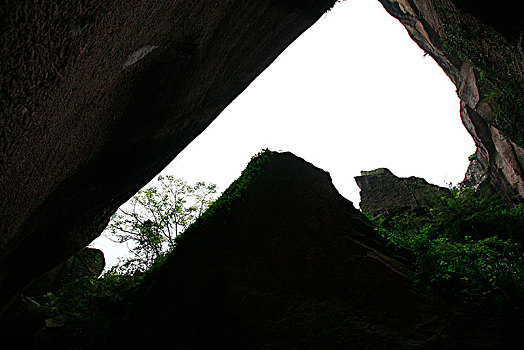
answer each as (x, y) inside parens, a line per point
(381, 192)
(97, 97)
(480, 49)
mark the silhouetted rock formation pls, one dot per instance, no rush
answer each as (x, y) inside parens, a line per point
(283, 261)
(87, 262)
(381, 192)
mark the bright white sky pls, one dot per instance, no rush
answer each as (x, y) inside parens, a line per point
(353, 93)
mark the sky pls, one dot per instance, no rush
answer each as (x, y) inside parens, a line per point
(352, 93)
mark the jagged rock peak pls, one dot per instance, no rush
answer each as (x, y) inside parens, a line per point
(379, 171)
(382, 192)
(283, 261)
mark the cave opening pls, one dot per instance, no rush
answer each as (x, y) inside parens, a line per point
(352, 93)
(281, 255)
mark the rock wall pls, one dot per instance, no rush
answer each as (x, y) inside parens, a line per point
(480, 48)
(97, 97)
(86, 262)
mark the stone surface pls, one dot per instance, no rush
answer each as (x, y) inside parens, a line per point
(381, 192)
(20, 323)
(480, 48)
(97, 97)
(504, 18)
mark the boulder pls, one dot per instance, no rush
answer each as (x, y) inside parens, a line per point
(381, 192)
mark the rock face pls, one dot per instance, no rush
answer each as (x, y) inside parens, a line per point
(96, 98)
(480, 48)
(381, 192)
(284, 262)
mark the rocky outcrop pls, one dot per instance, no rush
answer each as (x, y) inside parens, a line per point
(381, 192)
(480, 48)
(285, 262)
(98, 97)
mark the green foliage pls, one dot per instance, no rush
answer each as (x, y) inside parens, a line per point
(472, 157)
(154, 217)
(90, 301)
(90, 307)
(506, 99)
(467, 213)
(456, 248)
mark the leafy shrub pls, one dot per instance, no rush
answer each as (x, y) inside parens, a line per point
(90, 300)
(463, 247)
(151, 220)
(475, 214)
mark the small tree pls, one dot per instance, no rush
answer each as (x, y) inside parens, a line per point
(151, 220)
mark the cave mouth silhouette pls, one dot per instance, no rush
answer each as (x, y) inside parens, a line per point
(352, 93)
